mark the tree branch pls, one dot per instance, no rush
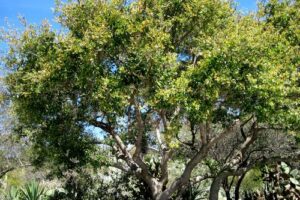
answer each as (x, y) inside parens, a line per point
(140, 128)
(184, 178)
(167, 154)
(158, 136)
(9, 169)
(139, 139)
(222, 135)
(5, 171)
(110, 130)
(242, 126)
(199, 179)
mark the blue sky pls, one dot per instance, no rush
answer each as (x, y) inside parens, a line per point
(247, 5)
(33, 10)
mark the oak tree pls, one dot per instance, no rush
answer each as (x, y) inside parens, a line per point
(153, 78)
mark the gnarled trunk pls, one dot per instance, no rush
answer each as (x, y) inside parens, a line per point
(215, 186)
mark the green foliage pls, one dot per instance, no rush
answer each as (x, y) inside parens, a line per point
(284, 16)
(29, 191)
(289, 184)
(115, 185)
(213, 166)
(279, 182)
(194, 61)
(192, 192)
(16, 178)
(253, 181)
(32, 191)
(12, 194)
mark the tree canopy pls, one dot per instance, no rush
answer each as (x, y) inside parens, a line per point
(173, 76)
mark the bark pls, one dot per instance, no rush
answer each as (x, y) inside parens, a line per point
(227, 193)
(110, 130)
(216, 186)
(156, 188)
(140, 128)
(164, 166)
(136, 160)
(158, 136)
(184, 178)
(198, 179)
(227, 187)
(238, 186)
(203, 134)
(5, 171)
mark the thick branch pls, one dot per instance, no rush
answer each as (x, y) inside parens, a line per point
(195, 160)
(203, 134)
(229, 130)
(110, 130)
(139, 139)
(165, 154)
(199, 179)
(240, 152)
(158, 136)
(140, 128)
(9, 169)
(242, 126)
(238, 186)
(216, 185)
(164, 165)
(183, 179)
(5, 171)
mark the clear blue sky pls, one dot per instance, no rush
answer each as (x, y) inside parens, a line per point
(33, 10)
(247, 5)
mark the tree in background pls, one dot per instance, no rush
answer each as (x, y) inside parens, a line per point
(13, 154)
(160, 81)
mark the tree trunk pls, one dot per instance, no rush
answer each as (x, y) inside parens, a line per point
(227, 192)
(155, 187)
(215, 187)
(238, 186)
(227, 188)
(163, 196)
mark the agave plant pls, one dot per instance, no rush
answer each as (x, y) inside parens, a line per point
(33, 191)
